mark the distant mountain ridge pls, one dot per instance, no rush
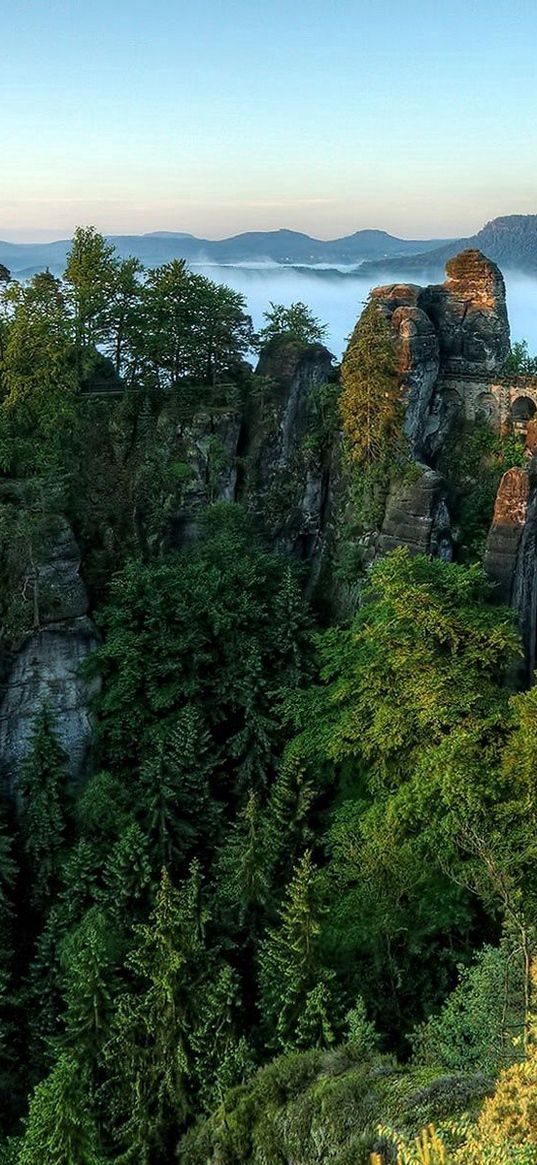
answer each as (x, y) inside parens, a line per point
(510, 241)
(283, 247)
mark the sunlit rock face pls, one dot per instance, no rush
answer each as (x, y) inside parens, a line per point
(469, 315)
(511, 551)
(419, 362)
(503, 542)
(46, 667)
(457, 331)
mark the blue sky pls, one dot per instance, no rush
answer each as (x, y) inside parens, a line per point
(321, 115)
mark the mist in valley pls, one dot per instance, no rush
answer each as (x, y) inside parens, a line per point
(337, 296)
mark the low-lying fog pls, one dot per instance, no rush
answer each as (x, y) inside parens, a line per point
(337, 298)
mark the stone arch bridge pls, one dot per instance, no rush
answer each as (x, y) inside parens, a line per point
(505, 402)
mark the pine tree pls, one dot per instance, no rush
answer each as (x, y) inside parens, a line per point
(243, 880)
(221, 1057)
(148, 1056)
(89, 958)
(176, 808)
(60, 1129)
(43, 796)
(288, 816)
(294, 985)
(42, 992)
(371, 404)
(127, 876)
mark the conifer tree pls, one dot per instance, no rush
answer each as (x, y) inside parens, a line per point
(60, 1129)
(243, 880)
(176, 808)
(221, 1057)
(127, 876)
(43, 798)
(294, 986)
(288, 815)
(148, 1055)
(371, 405)
(89, 958)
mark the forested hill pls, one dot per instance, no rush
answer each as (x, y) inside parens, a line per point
(267, 724)
(510, 241)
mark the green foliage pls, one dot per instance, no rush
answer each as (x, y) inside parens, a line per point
(295, 998)
(243, 875)
(37, 377)
(409, 711)
(194, 329)
(60, 1129)
(519, 362)
(89, 957)
(172, 631)
(371, 403)
(475, 461)
(362, 1036)
(317, 1107)
(43, 811)
(89, 276)
(295, 321)
(480, 1026)
(293, 836)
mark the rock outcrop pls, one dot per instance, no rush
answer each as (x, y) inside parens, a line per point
(457, 331)
(469, 314)
(417, 516)
(46, 667)
(289, 446)
(274, 454)
(511, 552)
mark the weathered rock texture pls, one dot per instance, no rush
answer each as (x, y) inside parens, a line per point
(274, 454)
(417, 516)
(45, 669)
(289, 448)
(505, 535)
(511, 551)
(453, 341)
(470, 316)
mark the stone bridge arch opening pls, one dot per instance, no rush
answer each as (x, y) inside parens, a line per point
(522, 411)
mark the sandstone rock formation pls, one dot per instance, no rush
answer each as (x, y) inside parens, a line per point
(417, 516)
(470, 316)
(505, 535)
(45, 668)
(288, 451)
(455, 332)
(274, 454)
(511, 552)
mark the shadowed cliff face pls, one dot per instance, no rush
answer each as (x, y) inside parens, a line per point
(46, 668)
(274, 455)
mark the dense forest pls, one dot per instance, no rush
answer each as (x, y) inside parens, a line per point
(283, 911)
